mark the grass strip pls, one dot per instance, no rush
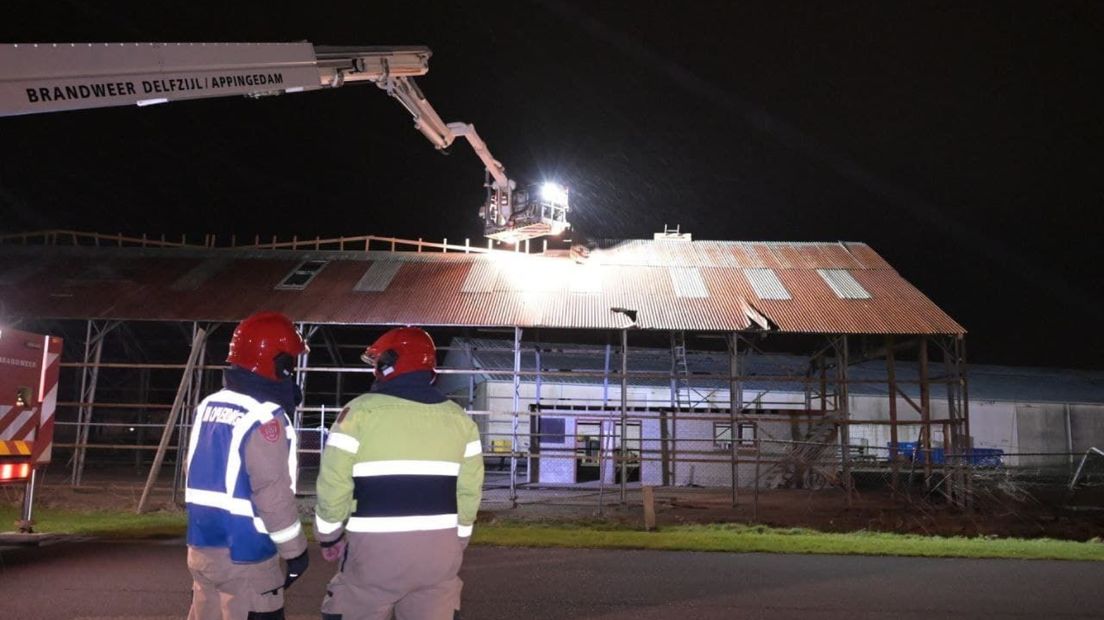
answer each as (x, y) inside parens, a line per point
(732, 538)
(760, 539)
(100, 523)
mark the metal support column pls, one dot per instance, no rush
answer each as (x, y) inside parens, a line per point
(960, 423)
(90, 375)
(514, 426)
(602, 431)
(624, 407)
(925, 414)
(335, 355)
(471, 375)
(955, 448)
(960, 350)
(844, 413)
(665, 416)
(891, 373)
(143, 415)
(535, 441)
(301, 364)
(735, 404)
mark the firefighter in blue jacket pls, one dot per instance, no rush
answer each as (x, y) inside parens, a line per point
(242, 514)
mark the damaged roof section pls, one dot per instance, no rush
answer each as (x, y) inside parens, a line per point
(670, 285)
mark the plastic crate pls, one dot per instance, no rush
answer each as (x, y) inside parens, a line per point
(977, 457)
(910, 451)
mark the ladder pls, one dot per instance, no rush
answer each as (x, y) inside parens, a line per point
(680, 372)
(798, 467)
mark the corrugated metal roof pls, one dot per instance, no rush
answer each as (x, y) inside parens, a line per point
(302, 275)
(481, 278)
(378, 276)
(843, 284)
(687, 282)
(672, 285)
(196, 276)
(766, 284)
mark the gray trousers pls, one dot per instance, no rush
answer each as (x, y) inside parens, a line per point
(410, 574)
(223, 590)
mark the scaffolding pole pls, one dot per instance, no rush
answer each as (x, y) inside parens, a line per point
(960, 348)
(93, 350)
(843, 413)
(602, 424)
(514, 417)
(181, 394)
(894, 438)
(960, 445)
(735, 403)
(624, 407)
(925, 414)
(183, 425)
(535, 429)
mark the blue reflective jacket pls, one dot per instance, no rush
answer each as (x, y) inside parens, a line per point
(220, 511)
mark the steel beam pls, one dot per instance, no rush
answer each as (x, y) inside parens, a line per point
(93, 353)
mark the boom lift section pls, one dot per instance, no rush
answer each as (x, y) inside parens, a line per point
(38, 78)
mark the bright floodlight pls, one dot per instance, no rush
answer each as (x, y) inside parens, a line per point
(554, 193)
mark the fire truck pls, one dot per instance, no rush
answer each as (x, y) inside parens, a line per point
(52, 77)
(29, 366)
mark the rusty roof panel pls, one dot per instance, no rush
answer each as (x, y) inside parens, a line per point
(788, 256)
(774, 255)
(720, 256)
(835, 256)
(763, 256)
(197, 275)
(867, 256)
(892, 308)
(500, 289)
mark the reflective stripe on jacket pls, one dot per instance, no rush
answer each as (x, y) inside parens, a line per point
(221, 512)
(395, 465)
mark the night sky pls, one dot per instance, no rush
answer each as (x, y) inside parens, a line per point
(962, 141)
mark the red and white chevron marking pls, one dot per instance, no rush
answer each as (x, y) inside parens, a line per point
(48, 389)
(18, 423)
(29, 368)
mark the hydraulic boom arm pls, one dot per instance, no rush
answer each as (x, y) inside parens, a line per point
(38, 78)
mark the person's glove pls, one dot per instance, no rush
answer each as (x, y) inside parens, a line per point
(296, 566)
(333, 550)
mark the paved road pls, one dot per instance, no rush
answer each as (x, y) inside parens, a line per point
(84, 580)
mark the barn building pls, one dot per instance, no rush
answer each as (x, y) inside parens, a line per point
(653, 335)
(1032, 419)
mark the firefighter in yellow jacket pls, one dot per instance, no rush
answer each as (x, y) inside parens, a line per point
(400, 483)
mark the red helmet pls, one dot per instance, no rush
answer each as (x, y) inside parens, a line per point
(401, 350)
(266, 344)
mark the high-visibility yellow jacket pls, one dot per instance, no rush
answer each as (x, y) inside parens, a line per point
(394, 465)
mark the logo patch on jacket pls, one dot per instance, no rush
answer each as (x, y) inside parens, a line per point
(271, 430)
